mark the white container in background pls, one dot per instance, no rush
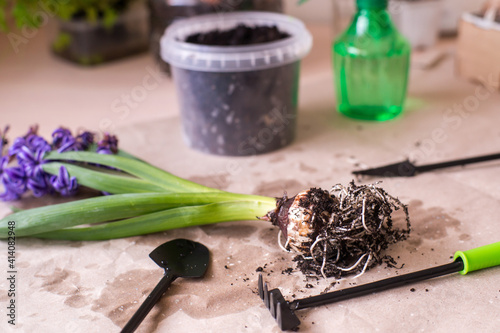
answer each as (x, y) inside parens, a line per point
(419, 21)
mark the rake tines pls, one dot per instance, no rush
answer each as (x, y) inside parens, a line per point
(278, 306)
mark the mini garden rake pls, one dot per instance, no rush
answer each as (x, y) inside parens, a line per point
(464, 262)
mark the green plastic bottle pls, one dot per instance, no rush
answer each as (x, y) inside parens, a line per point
(371, 62)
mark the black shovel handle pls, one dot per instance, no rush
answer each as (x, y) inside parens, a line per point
(149, 303)
(462, 161)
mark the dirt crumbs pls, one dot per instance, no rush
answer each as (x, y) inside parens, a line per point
(240, 35)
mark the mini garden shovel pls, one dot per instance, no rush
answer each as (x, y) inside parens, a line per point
(179, 258)
(464, 262)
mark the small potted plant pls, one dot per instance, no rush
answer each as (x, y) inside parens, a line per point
(87, 32)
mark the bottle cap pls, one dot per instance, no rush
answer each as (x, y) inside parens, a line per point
(371, 4)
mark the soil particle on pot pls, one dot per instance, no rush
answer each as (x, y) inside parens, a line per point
(240, 35)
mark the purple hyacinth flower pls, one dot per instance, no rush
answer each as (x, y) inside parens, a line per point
(61, 136)
(85, 139)
(16, 146)
(69, 145)
(32, 141)
(13, 180)
(4, 160)
(108, 145)
(35, 142)
(29, 152)
(31, 161)
(64, 141)
(63, 183)
(39, 184)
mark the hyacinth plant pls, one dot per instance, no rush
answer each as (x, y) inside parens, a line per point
(336, 233)
(144, 199)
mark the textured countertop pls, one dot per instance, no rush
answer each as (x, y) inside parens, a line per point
(96, 286)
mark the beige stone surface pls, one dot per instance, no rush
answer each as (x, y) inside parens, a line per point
(78, 287)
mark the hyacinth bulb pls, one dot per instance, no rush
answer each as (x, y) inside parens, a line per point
(340, 232)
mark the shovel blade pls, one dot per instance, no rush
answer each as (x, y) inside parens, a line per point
(182, 257)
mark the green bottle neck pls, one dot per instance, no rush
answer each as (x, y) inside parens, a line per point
(374, 23)
(374, 11)
(371, 4)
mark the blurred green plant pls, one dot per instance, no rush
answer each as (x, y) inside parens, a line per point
(62, 41)
(31, 13)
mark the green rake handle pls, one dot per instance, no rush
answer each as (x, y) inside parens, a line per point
(464, 262)
(479, 258)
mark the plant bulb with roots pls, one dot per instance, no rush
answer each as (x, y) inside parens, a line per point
(339, 232)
